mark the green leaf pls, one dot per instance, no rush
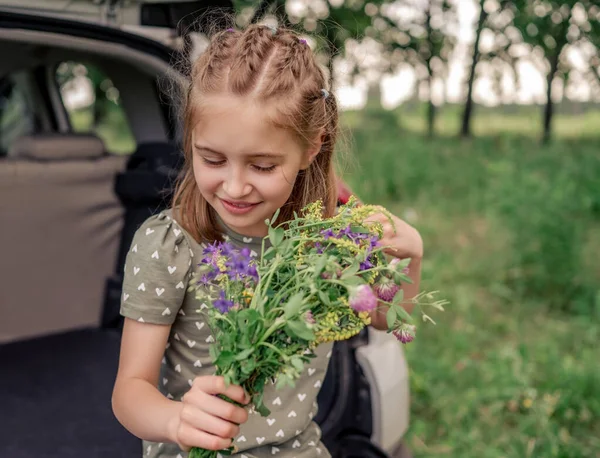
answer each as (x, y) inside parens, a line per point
(351, 271)
(320, 265)
(225, 359)
(402, 313)
(213, 352)
(276, 236)
(297, 363)
(324, 298)
(282, 381)
(294, 305)
(244, 354)
(354, 281)
(275, 215)
(301, 330)
(262, 409)
(390, 317)
(248, 366)
(399, 297)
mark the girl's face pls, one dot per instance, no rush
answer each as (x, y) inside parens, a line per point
(244, 167)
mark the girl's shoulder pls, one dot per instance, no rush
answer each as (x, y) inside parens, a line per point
(160, 232)
(157, 269)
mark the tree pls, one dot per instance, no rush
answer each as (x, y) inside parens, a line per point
(495, 18)
(475, 55)
(553, 27)
(421, 32)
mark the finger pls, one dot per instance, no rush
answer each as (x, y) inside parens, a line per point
(200, 419)
(216, 385)
(188, 437)
(377, 217)
(223, 409)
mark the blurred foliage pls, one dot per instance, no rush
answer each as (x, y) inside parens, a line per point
(512, 236)
(102, 113)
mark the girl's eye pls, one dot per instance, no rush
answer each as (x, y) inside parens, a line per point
(212, 163)
(260, 168)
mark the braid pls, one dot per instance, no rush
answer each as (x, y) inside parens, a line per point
(211, 67)
(249, 59)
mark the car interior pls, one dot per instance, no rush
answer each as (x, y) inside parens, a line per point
(71, 199)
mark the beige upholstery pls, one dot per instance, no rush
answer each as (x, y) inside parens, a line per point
(60, 225)
(54, 146)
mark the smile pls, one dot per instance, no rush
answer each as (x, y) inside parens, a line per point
(238, 208)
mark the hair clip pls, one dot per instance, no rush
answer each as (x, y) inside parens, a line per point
(325, 93)
(272, 28)
(302, 40)
(230, 30)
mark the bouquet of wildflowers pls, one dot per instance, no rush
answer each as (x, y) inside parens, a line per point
(318, 281)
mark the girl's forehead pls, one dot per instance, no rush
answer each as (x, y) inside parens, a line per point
(232, 124)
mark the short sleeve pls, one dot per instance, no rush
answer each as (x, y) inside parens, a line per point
(157, 271)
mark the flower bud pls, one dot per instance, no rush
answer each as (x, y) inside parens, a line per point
(406, 333)
(362, 299)
(386, 289)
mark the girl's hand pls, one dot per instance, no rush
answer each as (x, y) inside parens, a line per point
(205, 420)
(403, 242)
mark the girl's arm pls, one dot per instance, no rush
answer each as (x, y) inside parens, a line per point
(136, 401)
(200, 419)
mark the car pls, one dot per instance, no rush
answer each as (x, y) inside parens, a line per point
(74, 191)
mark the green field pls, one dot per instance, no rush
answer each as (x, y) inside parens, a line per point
(512, 239)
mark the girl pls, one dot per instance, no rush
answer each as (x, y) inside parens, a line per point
(259, 134)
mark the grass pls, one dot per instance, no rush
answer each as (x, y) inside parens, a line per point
(512, 238)
(511, 233)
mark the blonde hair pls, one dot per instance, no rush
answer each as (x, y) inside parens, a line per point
(276, 68)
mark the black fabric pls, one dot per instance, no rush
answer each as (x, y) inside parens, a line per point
(55, 398)
(144, 189)
(345, 404)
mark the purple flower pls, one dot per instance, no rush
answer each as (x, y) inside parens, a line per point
(222, 304)
(319, 247)
(238, 263)
(373, 241)
(211, 252)
(207, 278)
(362, 299)
(386, 289)
(405, 334)
(366, 264)
(327, 233)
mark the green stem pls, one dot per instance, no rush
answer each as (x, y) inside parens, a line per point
(275, 349)
(274, 327)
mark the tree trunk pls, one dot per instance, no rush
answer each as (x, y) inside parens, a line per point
(431, 107)
(595, 67)
(468, 111)
(549, 108)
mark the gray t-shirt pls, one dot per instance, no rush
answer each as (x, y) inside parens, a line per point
(159, 266)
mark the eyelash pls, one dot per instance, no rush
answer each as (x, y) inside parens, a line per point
(255, 167)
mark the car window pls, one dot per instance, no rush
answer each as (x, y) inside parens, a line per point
(16, 114)
(94, 105)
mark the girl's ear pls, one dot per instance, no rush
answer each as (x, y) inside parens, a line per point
(311, 154)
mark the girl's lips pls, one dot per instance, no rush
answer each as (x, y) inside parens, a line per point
(237, 208)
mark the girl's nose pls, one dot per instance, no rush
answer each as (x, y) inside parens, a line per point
(236, 186)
